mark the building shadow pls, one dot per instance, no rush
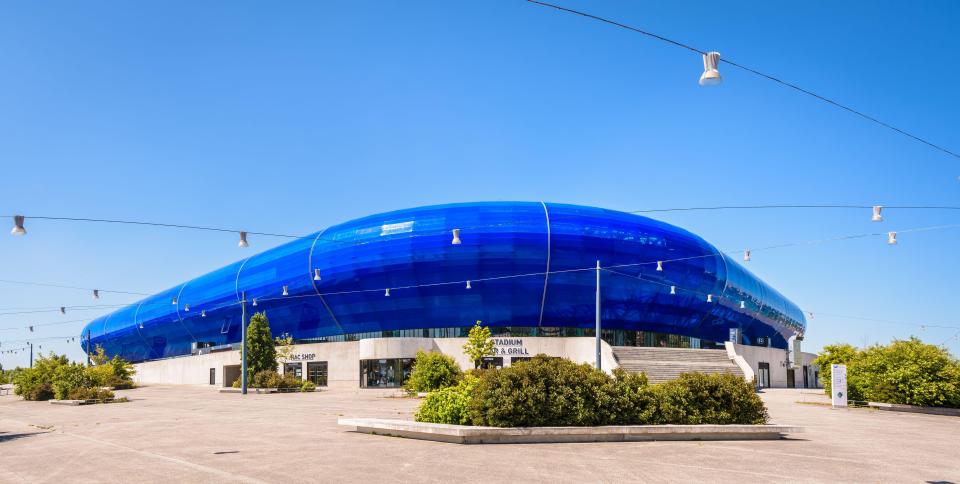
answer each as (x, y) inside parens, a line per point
(7, 436)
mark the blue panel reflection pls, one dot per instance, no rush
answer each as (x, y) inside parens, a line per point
(506, 250)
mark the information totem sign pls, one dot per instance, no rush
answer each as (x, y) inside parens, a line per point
(838, 385)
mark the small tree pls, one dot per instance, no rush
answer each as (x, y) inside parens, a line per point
(284, 345)
(261, 349)
(99, 356)
(479, 344)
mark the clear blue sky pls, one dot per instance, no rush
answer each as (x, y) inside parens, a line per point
(288, 117)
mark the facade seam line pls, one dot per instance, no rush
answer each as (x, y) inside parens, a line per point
(546, 274)
(310, 270)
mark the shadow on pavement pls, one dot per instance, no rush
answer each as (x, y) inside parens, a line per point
(6, 436)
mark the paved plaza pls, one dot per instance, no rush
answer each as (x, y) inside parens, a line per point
(193, 434)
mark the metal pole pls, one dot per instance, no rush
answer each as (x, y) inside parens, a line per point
(243, 343)
(31, 354)
(88, 348)
(598, 316)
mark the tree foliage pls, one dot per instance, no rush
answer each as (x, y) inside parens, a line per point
(54, 376)
(261, 348)
(906, 371)
(479, 344)
(548, 391)
(432, 371)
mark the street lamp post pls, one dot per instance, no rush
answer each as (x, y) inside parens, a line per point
(243, 343)
(598, 316)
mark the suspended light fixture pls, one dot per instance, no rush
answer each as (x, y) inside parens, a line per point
(203, 313)
(710, 76)
(96, 294)
(243, 241)
(746, 256)
(709, 297)
(387, 293)
(173, 300)
(63, 310)
(743, 305)
(659, 266)
(673, 289)
(456, 237)
(468, 285)
(877, 217)
(892, 238)
(316, 274)
(186, 308)
(285, 291)
(18, 228)
(254, 302)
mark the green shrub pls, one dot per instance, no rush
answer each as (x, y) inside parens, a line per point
(432, 371)
(905, 371)
(37, 383)
(69, 377)
(634, 399)
(544, 391)
(448, 405)
(272, 379)
(41, 392)
(698, 398)
(549, 391)
(89, 393)
(308, 386)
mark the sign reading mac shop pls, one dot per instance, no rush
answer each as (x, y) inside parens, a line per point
(509, 347)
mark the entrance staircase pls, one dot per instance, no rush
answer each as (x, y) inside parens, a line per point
(663, 364)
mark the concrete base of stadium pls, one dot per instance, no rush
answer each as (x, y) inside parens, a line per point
(465, 434)
(385, 362)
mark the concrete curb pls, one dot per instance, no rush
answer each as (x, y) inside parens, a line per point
(464, 434)
(896, 407)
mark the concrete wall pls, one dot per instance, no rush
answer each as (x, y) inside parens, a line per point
(777, 358)
(343, 359)
(342, 365)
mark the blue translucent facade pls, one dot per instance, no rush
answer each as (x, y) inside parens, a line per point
(528, 263)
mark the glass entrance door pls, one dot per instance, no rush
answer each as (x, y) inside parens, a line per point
(317, 372)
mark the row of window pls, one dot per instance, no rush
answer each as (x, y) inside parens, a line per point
(614, 337)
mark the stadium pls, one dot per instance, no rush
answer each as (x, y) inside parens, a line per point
(361, 297)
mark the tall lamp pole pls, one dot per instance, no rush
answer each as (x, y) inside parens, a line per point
(243, 343)
(598, 316)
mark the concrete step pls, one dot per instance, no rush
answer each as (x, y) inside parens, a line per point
(664, 364)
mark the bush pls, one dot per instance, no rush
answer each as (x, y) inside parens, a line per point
(272, 379)
(41, 392)
(90, 394)
(549, 391)
(432, 371)
(37, 383)
(906, 372)
(308, 386)
(544, 392)
(448, 405)
(68, 378)
(698, 398)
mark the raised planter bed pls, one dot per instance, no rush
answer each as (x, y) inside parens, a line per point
(896, 407)
(267, 390)
(75, 403)
(464, 434)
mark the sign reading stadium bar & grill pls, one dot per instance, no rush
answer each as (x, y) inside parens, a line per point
(509, 347)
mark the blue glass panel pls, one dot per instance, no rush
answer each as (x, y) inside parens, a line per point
(510, 243)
